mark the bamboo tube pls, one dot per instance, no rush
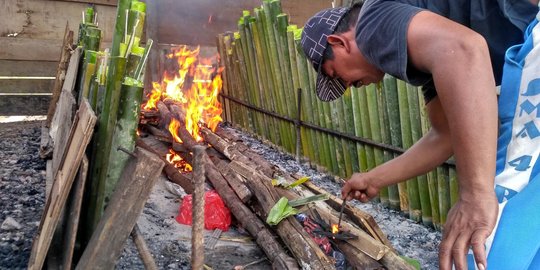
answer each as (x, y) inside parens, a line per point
(232, 110)
(416, 131)
(393, 193)
(125, 135)
(339, 105)
(366, 127)
(119, 28)
(360, 148)
(288, 89)
(272, 101)
(403, 186)
(431, 176)
(243, 57)
(444, 192)
(87, 70)
(227, 78)
(454, 188)
(415, 211)
(337, 124)
(349, 129)
(104, 137)
(337, 164)
(375, 134)
(239, 86)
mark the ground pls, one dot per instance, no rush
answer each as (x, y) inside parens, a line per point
(22, 189)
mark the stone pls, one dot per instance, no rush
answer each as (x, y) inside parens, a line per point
(10, 224)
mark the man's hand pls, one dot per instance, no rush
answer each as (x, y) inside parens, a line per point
(361, 186)
(469, 223)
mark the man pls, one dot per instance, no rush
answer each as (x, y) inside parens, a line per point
(455, 51)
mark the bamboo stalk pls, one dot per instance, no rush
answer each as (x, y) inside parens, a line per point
(444, 192)
(403, 186)
(246, 76)
(375, 134)
(360, 148)
(384, 107)
(416, 131)
(239, 89)
(338, 124)
(454, 188)
(366, 127)
(349, 129)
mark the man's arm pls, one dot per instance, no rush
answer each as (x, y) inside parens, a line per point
(459, 62)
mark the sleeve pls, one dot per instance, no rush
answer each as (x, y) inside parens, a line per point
(381, 35)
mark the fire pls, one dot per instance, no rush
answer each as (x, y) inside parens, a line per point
(178, 161)
(335, 228)
(194, 87)
(173, 129)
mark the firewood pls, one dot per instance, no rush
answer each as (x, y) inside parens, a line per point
(197, 229)
(144, 252)
(235, 181)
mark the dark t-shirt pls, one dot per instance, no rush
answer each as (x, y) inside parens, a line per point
(384, 23)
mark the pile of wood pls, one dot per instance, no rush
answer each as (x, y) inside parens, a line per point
(244, 181)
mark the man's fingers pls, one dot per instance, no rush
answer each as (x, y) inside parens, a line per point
(345, 190)
(460, 250)
(478, 241)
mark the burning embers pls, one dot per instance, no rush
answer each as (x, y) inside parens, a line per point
(194, 86)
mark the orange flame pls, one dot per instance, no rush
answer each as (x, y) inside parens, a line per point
(173, 129)
(335, 228)
(195, 88)
(178, 162)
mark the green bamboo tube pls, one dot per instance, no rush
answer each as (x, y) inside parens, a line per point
(242, 80)
(245, 63)
(137, 15)
(454, 188)
(360, 149)
(339, 125)
(305, 139)
(89, 15)
(393, 193)
(288, 91)
(375, 134)
(86, 71)
(91, 38)
(264, 63)
(443, 187)
(227, 78)
(329, 118)
(308, 111)
(431, 176)
(349, 129)
(406, 141)
(416, 131)
(119, 27)
(268, 51)
(106, 123)
(231, 80)
(238, 88)
(415, 211)
(259, 120)
(125, 135)
(133, 61)
(366, 126)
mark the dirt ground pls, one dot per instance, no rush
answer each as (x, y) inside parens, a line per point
(22, 189)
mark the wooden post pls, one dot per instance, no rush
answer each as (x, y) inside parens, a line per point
(144, 252)
(122, 212)
(197, 229)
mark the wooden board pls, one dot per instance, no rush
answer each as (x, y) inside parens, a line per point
(80, 135)
(30, 49)
(122, 212)
(26, 85)
(39, 19)
(24, 104)
(28, 68)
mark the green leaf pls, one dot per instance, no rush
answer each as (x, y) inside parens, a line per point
(415, 263)
(279, 211)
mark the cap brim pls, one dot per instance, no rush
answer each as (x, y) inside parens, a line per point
(329, 89)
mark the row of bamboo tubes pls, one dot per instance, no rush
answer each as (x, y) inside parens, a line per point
(264, 67)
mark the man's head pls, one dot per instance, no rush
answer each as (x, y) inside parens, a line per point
(328, 40)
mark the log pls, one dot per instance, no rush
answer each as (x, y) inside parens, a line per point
(122, 212)
(236, 181)
(197, 229)
(288, 230)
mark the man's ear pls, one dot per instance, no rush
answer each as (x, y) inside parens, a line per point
(338, 40)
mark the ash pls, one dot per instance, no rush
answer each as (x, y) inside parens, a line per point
(22, 191)
(409, 238)
(22, 199)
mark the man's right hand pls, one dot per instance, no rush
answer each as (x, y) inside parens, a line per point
(361, 186)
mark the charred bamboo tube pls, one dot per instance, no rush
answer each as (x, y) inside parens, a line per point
(393, 194)
(416, 131)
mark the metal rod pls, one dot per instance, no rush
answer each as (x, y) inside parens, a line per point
(341, 210)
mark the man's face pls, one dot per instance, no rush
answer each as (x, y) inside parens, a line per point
(350, 66)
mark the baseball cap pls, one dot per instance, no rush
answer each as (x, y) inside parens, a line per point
(314, 42)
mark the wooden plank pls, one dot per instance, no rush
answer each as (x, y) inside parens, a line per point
(80, 135)
(26, 85)
(122, 212)
(96, 2)
(39, 19)
(24, 104)
(74, 214)
(28, 68)
(30, 49)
